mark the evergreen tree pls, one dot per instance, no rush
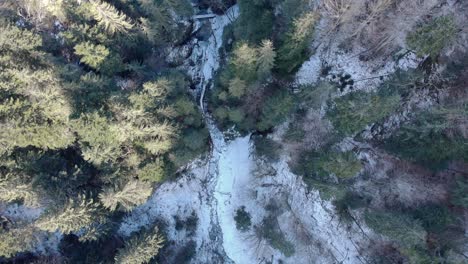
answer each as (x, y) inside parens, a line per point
(303, 28)
(460, 192)
(275, 110)
(244, 61)
(266, 58)
(99, 58)
(21, 44)
(92, 55)
(294, 49)
(134, 193)
(237, 88)
(152, 172)
(397, 226)
(98, 139)
(141, 248)
(15, 241)
(21, 192)
(74, 217)
(431, 38)
(112, 20)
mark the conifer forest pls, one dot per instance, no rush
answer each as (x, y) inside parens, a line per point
(234, 131)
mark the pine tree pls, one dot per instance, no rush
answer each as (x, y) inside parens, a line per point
(159, 88)
(15, 241)
(19, 42)
(74, 217)
(22, 192)
(152, 172)
(294, 49)
(99, 140)
(112, 20)
(237, 87)
(303, 27)
(266, 58)
(134, 193)
(140, 249)
(244, 61)
(397, 226)
(92, 55)
(459, 195)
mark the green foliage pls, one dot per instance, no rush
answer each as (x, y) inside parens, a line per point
(243, 219)
(98, 139)
(431, 38)
(352, 112)
(315, 96)
(108, 17)
(236, 115)
(294, 50)
(92, 55)
(275, 110)
(159, 23)
(266, 58)
(19, 45)
(270, 231)
(99, 58)
(195, 139)
(15, 241)
(433, 217)
(397, 226)
(132, 194)
(267, 148)
(320, 165)
(24, 193)
(255, 21)
(74, 217)
(342, 164)
(459, 195)
(153, 172)
(70, 129)
(140, 248)
(433, 139)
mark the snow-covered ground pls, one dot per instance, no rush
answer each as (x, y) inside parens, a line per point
(231, 178)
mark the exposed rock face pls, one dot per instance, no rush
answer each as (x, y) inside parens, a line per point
(218, 7)
(178, 54)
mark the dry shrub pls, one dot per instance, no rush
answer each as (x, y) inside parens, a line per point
(339, 11)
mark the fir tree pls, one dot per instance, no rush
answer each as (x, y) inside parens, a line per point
(266, 58)
(244, 61)
(134, 193)
(397, 226)
(141, 248)
(152, 172)
(237, 87)
(112, 20)
(74, 217)
(22, 192)
(99, 58)
(98, 139)
(15, 241)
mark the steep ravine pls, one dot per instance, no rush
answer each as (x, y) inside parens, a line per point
(231, 177)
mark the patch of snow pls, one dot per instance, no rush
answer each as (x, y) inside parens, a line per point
(44, 242)
(367, 75)
(22, 213)
(232, 189)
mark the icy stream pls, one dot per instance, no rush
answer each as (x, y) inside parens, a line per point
(214, 188)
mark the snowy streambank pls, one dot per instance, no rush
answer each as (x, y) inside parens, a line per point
(43, 242)
(232, 191)
(193, 193)
(331, 61)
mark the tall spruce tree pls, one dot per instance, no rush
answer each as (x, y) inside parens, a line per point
(141, 248)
